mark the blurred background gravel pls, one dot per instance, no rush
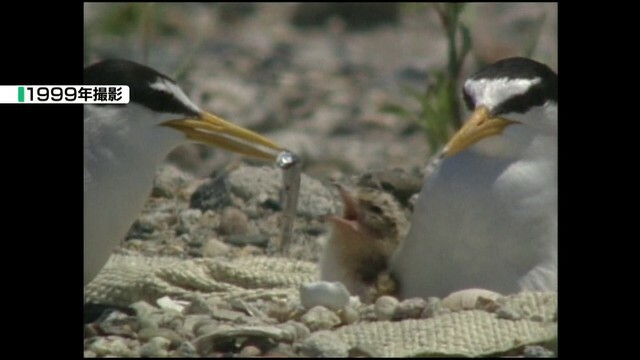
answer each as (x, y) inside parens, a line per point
(313, 76)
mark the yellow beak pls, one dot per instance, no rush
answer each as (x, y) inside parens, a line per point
(479, 126)
(212, 130)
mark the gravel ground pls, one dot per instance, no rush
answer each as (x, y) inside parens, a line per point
(318, 91)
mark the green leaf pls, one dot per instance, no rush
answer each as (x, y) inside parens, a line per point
(467, 43)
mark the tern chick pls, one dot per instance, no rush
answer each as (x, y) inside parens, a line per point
(362, 241)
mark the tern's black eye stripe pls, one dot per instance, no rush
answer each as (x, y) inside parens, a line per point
(537, 95)
(468, 100)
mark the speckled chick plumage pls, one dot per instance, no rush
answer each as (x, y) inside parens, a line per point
(363, 240)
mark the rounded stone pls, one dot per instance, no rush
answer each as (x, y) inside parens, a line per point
(168, 181)
(189, 220)
(143, 308)
(385, 307)
(214, 247)
(211, 195)
(324, 344)
(250, 350)
(320, 318)
(332, 295)
(111, 345)
(433, 308)
(538, 351)
(233, 222)
(410, 309)
(506, 312)
(186, 349)
(295, 330)
(156, 347)
(348, 315)
(148, 334)
(280, 310)
(204, 327)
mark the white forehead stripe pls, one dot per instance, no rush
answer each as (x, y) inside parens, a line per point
(492, 92)
(171, 88)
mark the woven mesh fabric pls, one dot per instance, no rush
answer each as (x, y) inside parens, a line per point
(127, 279)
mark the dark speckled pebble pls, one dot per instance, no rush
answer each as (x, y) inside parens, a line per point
(212, 195)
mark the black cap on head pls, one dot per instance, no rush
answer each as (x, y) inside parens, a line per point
(519, 68)
(139, 78)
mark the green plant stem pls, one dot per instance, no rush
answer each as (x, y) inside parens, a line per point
(449, 14)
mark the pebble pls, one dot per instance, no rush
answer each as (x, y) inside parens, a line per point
(167, 303)
(250, 350)
(198, 306)
(320, 318)
(233, 222)
(365, 350)
(537, 351)
(225, 335)
(168, 181)
(214, 248)
(282, 350)
(144, 227)
(195, 321)
(506, 312)
(433, 307)
(143, 308)
(281, 310)
(332, 295)
(348, 315)
(295, 331)
(227, 315)
(385, 307)
(156, 347)
(171, 319)
(186, 349)
(115, 324)
(110, 345)
(256, 310)
(208, 327)
(91, 330)
(211, 195)
(146, 335)
(367, 312)
(324, 344)
(410, 309)
(189, 221)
